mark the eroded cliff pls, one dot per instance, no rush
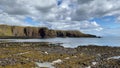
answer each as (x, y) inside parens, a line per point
(37, 32)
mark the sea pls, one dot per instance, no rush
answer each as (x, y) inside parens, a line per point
(74, 42)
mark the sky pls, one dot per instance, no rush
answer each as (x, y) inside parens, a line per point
(99, 17)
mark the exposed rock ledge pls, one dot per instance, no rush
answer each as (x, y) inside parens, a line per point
(37, 32)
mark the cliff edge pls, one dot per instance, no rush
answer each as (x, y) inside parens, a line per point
(37, 32)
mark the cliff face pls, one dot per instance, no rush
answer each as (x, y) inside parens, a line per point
(37, 32)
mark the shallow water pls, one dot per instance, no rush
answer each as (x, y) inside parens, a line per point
(74, 42)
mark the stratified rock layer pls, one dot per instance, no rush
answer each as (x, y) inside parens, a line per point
(37, 32)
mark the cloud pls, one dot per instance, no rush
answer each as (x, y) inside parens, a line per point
(118, 19)
(94, 8)
(90, 26)
(84, 1)
(13, 7)
(73, 25)
(110, 32)
(48, 10)
(33, 8)
(12, 20)
(59, 14)
(36, 9)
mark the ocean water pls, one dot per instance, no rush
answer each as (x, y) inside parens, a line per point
(74, 42)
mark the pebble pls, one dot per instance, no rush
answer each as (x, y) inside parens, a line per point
(46, 52)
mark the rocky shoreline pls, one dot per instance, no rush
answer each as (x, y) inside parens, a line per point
(32, 54)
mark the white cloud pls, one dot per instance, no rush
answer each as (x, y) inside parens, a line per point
(11, 20)
(74, 25)
(111, 32)
(70, 14)
(48, 10)
(118, 19)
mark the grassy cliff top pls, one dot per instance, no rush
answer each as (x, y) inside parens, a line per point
(38, 32)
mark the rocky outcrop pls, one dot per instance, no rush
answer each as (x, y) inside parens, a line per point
(37, 32)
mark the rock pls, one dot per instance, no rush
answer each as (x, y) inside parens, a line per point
(46, 52)
(67, 58)
(88, 67)
(37, 32)
(94, 63)
(57, 61)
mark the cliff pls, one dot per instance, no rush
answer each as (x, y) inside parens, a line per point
(37, 32)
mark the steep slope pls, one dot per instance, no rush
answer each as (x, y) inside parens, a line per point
(37, 32)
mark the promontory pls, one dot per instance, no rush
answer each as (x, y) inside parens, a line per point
(37, 32)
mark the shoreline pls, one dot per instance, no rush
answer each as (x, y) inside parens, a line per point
(23, 37)
(17, 55)
(56, 44)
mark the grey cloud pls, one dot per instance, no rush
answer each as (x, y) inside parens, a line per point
(44, 10)
(13, 7)
(48, 10)
(37, 9)
(69, 15)
(23, 7)
(84, 1)
(96, 8)
(80, 15)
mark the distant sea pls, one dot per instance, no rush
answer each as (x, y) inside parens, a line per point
(74, 42)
